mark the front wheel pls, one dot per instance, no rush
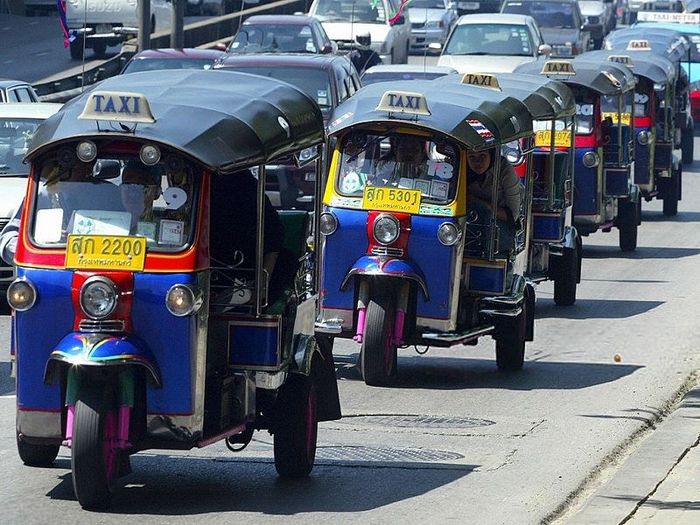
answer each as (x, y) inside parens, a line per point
(36, 455)
(688, 144)
(510, 342)
(566, 282)
(100, 49)
(628, 224)
(378, 353)
(76, 48)
(670, 205)
(94, 458)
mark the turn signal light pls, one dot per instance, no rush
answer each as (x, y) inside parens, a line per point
(21, 295)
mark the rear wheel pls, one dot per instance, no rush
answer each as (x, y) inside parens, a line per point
(36, 455)
(688, 144)
(628, 225)
(567, 279)
(76, 48)
(510, 342)
(378, 353)
(94, 457)
(100, 49)
(670, 206)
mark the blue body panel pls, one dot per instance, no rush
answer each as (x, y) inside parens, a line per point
(253, 346)
(548, 228)
(616, 182)
(487, 279)
(641, 162)
(586, 185)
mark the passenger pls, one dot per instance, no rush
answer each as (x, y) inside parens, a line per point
(140, 187)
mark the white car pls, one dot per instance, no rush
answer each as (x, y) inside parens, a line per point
(18, 121)
(431, 21)
(388, 26)
(492, 43)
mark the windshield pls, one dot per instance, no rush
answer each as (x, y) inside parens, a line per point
(15, 138)
(553, 15)
(400, 161)
(154, 64)
(584, 111)
(373, 78)
(313, 82)
(273, 38)
(694, 47)
(427, 4)
(350, 11)
(490, 39)
(114, 195)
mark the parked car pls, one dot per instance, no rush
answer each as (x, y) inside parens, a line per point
(281, 34)
(560, 22)
(17, 125)
(17, 91)
(492, 43)
(599, 19)
(431, 21)
(328, 80)
(393, 72)
(482, 6)
(169, 58)
(385, 21)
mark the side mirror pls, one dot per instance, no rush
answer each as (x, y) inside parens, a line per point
(220, 46)
(435, 46)
(306, 156)
(544, 49)
(326, 48)
(399, 21)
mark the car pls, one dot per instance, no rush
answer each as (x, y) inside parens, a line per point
(328, 80)
(560, 22)
(431, 21)
(18, 121)
(17, 91)
(386, 21)
(492, 43)
(599, 19)
(281, 34)
(392, 72)
(169, 58)
(482, 6)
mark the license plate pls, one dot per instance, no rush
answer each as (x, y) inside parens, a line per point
(625, 117)
(562, 138)
(106, 252)
(468, 5)
(391, 199)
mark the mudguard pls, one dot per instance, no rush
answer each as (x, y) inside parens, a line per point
(373, 265)
(328, 399)
(95, 349)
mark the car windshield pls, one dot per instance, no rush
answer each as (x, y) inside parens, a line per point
(399, 161)
(694, 48)
(427, 4)
(273, 38)
(559, 15)
(114, 195)
(15, 138)
(313, 82)
(389, 76)
(154, 64)
(364, 11)
(490, 39)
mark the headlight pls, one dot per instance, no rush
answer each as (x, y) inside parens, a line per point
(643, 138)
(386, 229)
(86, 150)
(590, 159)
(448, 233)
(98, 297)
(328, 223)
(182, 300)
(21, 295)
(149, 154)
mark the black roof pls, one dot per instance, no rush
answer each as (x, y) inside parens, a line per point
(224, 120)
(476, 117)
(648, 65)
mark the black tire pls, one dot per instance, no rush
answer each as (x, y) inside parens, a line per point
(296, 430)
(628, 225)
(688, 144)
(567, 280)
(510, 343)
(76, 49)
(99, 49)
(378, 354)
(670, 205)
(91, 481)
(36, 455)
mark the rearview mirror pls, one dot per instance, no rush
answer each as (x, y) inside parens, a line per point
(106, 169)
(435, 46)
(306, 156)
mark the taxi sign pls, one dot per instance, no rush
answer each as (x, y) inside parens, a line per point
(401, 200)
(622, 59)
(562, 138)
(678, 18)
(558, 67)
(117, 106)
(404, 102)
(481, 80)
(106, 252)
(639, 45)
(626, 118)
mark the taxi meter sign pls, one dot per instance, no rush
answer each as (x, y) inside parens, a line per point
(481, 80)
(404, 102)
(118, 107)
(558, 67)
(638, 45)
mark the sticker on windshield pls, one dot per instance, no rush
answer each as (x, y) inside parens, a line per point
(322, 97)
(439, 189)
(175, 198)
(171, 232)
(235, 45)
(441, 170)
(584, 109)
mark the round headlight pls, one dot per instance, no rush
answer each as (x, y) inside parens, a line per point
(21, 295)
(98, 297)
(328, 223)
(590, 159)
(149, 154)
(448, 233)
(87, 151)
(643, 138)
(182, 300)
(386, 229)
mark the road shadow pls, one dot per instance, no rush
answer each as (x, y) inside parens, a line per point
(7, 383)
(683, 216)
(186, 486)
(642, 252)
(595, 309)
(454, 373)
(662, 505)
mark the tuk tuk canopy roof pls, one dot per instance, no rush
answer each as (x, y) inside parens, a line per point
(654, 67)
(477, 118)
(224, 120)
(603, 78)
(666, 42)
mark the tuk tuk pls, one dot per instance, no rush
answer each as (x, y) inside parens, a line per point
(555, 246)
(604, 194)
(406, 257)
(129, 334)
(655, 171)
